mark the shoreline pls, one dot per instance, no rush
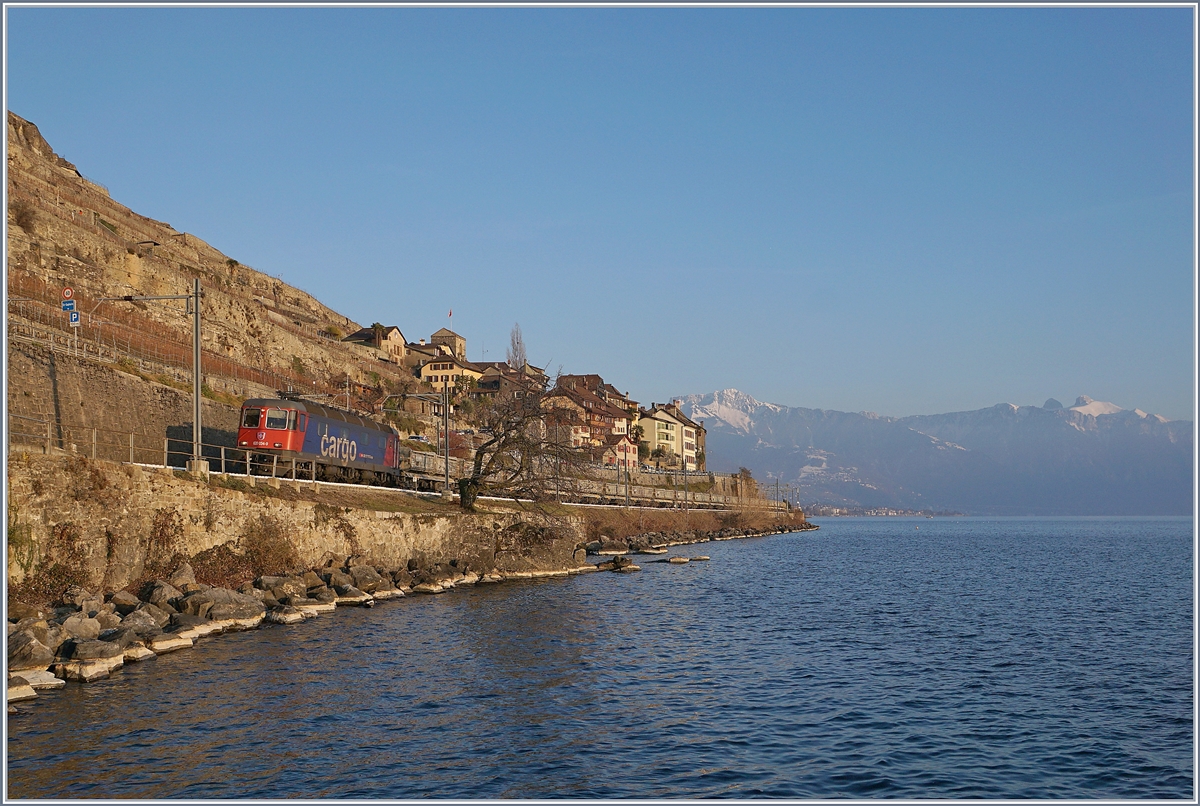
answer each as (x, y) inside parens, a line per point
(86, 636)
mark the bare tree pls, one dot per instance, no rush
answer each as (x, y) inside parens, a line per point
(527, 452)
(517, 358)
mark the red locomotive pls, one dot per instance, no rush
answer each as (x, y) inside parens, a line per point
(320, 442)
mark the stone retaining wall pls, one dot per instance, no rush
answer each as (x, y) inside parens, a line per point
(80, 393)
(105, 525)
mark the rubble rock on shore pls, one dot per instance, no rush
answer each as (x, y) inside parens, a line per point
(657, 542)
(86, 635)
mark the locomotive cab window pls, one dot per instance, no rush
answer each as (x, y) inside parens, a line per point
(291, 420)
(251, 417)
(303, 421)
(277, 418)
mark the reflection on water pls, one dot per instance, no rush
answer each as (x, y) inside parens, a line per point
(1009, 658)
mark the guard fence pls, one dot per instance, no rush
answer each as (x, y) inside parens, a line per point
(114, 342)
(34, 314)
(51, 436)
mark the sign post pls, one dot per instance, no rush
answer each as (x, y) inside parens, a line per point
(68, 306)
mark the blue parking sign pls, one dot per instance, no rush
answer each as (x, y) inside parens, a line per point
(74, 318)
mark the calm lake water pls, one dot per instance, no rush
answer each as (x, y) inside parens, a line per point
(964, 658)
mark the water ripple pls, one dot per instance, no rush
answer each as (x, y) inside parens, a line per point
(1014, 658)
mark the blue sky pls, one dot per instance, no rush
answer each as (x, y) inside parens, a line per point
(897, 210)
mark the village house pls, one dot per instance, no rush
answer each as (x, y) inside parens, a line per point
(453, 342)
(672, 438)
(617, 450)
(442, 363)
(594, 421)
(605, 391)
(417, 353)
(619, 399)
(501, 381)
(386, 343)
(448, 371)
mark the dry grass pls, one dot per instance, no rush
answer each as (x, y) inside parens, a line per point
(46, 583)
(378, 499)
(23, 215)
(623, 523)
(267, 548)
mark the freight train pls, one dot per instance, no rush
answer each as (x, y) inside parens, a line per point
(297, 437)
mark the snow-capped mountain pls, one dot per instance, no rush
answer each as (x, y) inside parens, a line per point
(1085, 405)
(1092, 458)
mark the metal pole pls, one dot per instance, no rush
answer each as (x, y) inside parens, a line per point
(686, 503)
(196, 369)
(222, 458)
(627, 481)
(446, 428)
(93, 444)
(130, 447)
(166, 451)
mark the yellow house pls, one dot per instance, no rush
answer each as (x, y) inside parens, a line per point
(665, 428)
(385, 342)
(449, 372)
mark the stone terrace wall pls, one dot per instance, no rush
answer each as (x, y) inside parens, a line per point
(83, 394)
(110, 521)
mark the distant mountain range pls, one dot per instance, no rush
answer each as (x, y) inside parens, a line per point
(1094, 458)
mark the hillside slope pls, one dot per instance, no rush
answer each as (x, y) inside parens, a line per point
(65, 230)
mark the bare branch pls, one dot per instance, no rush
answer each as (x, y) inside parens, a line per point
(528, 452)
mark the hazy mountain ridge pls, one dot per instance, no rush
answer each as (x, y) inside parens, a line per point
(1004, 459)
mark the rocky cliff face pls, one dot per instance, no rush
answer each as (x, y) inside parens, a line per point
(67, 231)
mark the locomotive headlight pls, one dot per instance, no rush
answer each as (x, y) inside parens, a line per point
(278, 444)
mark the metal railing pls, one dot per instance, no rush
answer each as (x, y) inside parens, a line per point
(36, 319)
(615, 493)
(131, 447)
(115, 342)
(111, 444)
